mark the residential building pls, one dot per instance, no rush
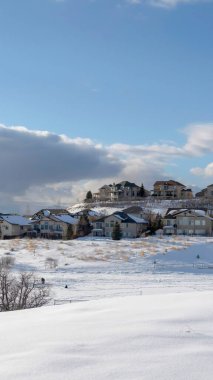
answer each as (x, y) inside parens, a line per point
(131, 226)
(54, 226)
(122, 191)
(12, 226)
(205, 193)
(209, 191)
(188, 222)
(171, 190)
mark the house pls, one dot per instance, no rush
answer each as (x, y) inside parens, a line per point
(121, 191)
(209, 191)
(54, 226)
(171, 189)
(12, 226)
(131, 226)
(188, 222)
(205, 193)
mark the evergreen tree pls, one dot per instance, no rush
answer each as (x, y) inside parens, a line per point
(84, 226)
(69, 232)
(89, 196)
(155, 224)
(116, 233)
(141, 192)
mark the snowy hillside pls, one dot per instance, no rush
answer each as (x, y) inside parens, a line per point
(156, 206)
(164, 337)
(145, 312)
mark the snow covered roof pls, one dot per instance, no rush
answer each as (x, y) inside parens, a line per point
(66, 218)
(137, 220)
(128, 218)
(16, 219)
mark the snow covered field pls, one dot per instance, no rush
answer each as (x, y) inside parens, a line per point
(149, 314)
(96, 268)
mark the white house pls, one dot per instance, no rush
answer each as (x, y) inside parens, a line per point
(188, 222)
(54, 226)
(12, 226)
(131, 226)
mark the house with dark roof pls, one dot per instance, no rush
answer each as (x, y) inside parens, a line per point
(121, 191)
(131, 226)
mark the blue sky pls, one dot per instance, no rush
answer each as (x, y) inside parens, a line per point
(127, 72)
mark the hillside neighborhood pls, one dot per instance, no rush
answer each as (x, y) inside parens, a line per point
(133, 214)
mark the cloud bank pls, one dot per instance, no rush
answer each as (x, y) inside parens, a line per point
(43, 168)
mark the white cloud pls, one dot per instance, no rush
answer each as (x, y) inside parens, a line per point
(203, 172)
(134, 2)
(167, 4)
(199, 139)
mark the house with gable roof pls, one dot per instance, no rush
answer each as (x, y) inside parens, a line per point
(171, 190)
(122, 191)
(54, 225)
(188, 222)
(12, 226)
(131, 226)
(205, 193)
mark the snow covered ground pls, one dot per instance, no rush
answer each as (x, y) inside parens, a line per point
(95, 268)
(149, 314)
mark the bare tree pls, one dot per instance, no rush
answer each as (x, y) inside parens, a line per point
(21, 292)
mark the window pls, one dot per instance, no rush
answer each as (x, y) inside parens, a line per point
(98, 225)
(112, 223)
(59, 228)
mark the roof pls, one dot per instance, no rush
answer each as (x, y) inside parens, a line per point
(128, 218)
(106, 187)
(133, 210)
(66, 219)
(138, 220)
(169, 182)
(16, 219)
(195, 212)
(126, 184)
